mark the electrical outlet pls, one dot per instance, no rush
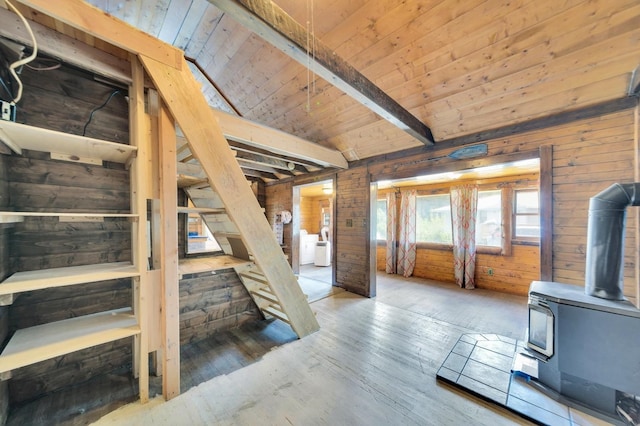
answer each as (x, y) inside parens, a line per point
(490, 272)
(7, 111)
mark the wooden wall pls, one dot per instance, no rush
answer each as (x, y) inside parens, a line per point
(309, 216)
(508, 274)
(352, 231)
(5, 236)
(280, 197)
(310, 212)
(63, 101)
(210, 303)
(589, 155)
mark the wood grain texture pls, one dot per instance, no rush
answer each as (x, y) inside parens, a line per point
(352, 226)
(212, 303)
(94, 22)
(390, 346)
(180, 92)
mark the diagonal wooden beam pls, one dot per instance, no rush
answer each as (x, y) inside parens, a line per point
(274, 25)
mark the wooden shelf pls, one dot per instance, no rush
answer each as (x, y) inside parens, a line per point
(66, 146)
(42, 342)
(205, 264)
(59, 277)
(200, 210)
(11, 217)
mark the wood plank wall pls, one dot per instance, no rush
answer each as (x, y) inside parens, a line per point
(5, 236)
(507, 274)
(310, 212)
(280, 197)
(209, 303)
(352, 230)
(308, 217)
(589, 155)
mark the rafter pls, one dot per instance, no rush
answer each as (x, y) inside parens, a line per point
(276, 27)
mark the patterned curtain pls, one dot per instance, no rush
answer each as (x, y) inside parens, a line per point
(392, 254)
(407, 237)
(464, 205)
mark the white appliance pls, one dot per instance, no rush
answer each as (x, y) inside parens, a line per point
(323, 249)
(307, 247)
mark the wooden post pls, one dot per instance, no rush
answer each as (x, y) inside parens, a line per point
(139, 173)
(169, 254)
(546, 213)
(636, 150)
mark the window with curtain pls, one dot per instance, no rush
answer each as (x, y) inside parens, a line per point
(489, 219)
(381, 220)
(526, 213)
(433, 219)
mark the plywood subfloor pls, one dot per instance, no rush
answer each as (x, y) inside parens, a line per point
(374, 361)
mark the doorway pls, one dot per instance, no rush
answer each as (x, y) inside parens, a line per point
(313, 234)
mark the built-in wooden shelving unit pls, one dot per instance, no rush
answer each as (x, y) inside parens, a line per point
(63, 146)
(42, 342)
(34, 344)
(59, 277)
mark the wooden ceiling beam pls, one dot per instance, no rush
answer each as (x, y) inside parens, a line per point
(275, 26)
(65, 48)
(95, 22)
(300, 165)
(250, 133)
(272, 163)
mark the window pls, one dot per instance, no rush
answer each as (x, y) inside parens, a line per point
(527, 215)
(381, 220)
(433, 219)
(199, 238)
(489, 219)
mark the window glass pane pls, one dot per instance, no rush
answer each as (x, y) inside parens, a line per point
(489, 219)
(433, 219)
(527, 202)
(381, 220)
(527, 214)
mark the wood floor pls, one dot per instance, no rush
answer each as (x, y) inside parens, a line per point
(373, 362)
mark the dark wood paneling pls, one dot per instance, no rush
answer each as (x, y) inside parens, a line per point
(5, 231)
(280, 197)
(211, 303)
(63, 100)
(352, 226)
(52, 375)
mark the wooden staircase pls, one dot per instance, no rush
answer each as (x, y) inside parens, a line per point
(227, 203)
(210, 207)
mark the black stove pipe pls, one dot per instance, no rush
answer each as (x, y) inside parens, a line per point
(605, 240)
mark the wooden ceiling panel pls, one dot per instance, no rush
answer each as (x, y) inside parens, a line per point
(460, 67)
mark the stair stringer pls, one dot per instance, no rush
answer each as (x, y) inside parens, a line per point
(181, 92)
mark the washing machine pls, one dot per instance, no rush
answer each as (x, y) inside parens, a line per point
(323, 249)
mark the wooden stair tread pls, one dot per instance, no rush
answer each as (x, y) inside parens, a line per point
(70, 275)
(34, 344)
(265, 295)
(254, 277)
(273, 311)
(210, 263)
(19, 136)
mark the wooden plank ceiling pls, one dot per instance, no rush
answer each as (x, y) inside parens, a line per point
(459, 67)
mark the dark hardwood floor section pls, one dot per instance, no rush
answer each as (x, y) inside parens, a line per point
(373, 362)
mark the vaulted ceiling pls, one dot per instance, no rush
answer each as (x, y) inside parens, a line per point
(458, 67)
